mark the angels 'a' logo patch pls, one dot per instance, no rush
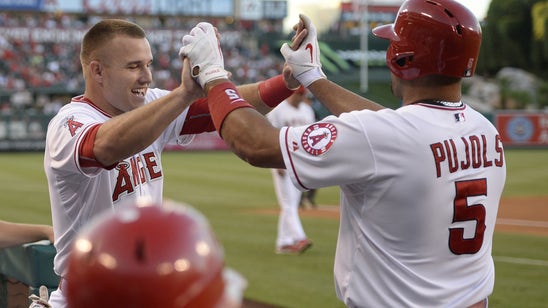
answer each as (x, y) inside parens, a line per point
(72, 125)
(318, 138)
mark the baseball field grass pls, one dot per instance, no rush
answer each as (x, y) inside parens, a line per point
(240, 203)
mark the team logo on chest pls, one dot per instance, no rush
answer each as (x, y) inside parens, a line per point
(318, 138)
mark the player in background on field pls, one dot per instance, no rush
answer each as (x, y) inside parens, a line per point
(291, 238)
(103, 149)
(420, 185)
(13, 234)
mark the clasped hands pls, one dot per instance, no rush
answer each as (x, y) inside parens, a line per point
(203, 49)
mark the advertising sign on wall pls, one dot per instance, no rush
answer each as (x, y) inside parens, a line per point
(523, 128)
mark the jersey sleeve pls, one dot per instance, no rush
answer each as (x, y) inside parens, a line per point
(66, 135)
(324, 153)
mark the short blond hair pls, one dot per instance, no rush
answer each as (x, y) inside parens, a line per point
(104, 31)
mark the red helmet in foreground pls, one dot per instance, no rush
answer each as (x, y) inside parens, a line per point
(149, 256)
(432, 37)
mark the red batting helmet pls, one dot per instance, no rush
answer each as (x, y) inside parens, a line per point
(146, 256)
(432, 37)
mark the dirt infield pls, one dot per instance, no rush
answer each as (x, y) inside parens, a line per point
(527, 215)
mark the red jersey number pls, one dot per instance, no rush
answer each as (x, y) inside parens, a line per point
(466, 212)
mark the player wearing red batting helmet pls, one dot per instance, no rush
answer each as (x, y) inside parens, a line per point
(432, 37)
(150, 256)
(420, 185)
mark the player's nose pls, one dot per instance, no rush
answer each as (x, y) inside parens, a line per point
(146, 75)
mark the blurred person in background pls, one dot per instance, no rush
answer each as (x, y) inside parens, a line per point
(291, 238)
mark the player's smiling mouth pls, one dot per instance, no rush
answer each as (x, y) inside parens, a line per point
(139, 91)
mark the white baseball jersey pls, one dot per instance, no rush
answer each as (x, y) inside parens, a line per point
(290, 228)
(80, 190)
(420, 188)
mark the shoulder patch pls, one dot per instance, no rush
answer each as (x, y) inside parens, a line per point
(318, 138)
(72, 125)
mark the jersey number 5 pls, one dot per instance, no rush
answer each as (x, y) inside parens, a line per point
(466, 212)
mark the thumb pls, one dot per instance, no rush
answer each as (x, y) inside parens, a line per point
(307, 23)
(44, 295)
(287, 71)
(182, 52)
(188, 70)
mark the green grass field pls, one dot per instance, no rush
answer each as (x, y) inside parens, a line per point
(232, 194)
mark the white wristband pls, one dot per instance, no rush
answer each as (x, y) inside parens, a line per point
(308, 77)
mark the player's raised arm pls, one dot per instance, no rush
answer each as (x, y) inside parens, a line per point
(263, 95)
(303, 62)
(123, 137)
(244, 129)
(267, 94)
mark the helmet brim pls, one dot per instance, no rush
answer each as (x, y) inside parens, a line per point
(386, 32)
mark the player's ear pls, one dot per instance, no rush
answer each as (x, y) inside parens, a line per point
(96, 69)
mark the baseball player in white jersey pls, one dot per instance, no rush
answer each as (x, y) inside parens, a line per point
(420, 185)
(103, 148)
(291, 238)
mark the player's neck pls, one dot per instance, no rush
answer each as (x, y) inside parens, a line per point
(446, 93)
(99, 101)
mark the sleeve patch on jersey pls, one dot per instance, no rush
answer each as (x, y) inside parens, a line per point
(318, 138)
(72, 125)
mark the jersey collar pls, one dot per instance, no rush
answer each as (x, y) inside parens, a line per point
(439, 104)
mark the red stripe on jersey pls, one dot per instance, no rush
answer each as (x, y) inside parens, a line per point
(288, 149)
(85, 151)
(85, 100)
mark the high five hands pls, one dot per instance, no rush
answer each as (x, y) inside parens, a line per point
(202, 47)
(303, 56)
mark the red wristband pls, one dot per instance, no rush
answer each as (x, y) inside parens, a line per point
(222, 100)
(273, 91)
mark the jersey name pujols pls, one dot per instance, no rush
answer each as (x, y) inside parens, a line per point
(478, 153)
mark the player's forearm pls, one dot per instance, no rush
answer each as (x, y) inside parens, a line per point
(252, 138)
(133, 131)
(12, 234)
(248, 134)
(250, 93)
(267, 94)
(338, 99)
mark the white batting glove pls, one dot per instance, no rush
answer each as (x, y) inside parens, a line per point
(202, 47)
(305, 61)
(42, 300)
